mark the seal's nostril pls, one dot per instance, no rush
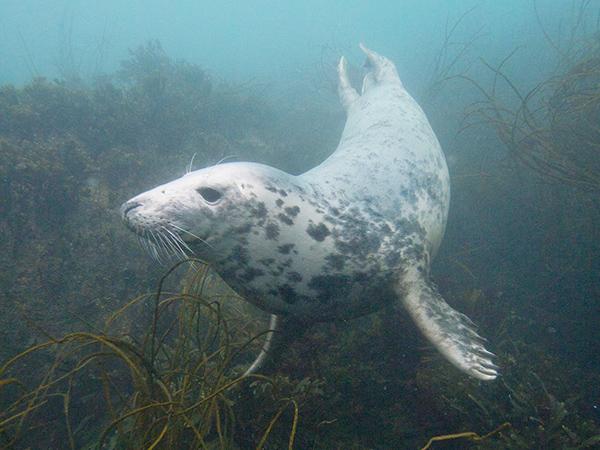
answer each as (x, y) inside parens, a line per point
(128, 207)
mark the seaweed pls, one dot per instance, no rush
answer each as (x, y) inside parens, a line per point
(171, 386)
(452, 54)
(465, 435)
(553, 127)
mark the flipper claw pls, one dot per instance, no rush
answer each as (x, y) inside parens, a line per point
(484, 352)
(448, 330)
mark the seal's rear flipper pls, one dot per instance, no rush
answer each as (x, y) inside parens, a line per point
(451, 332)
(347, 93)
(381, 70)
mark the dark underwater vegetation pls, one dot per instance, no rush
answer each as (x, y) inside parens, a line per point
(102, 348)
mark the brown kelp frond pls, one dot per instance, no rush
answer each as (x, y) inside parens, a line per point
(471, 435)
(159, 376)
(552, 128)
(451, 60)
(289, 401)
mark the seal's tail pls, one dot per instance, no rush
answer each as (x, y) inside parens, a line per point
(381, 70)
(451, 332)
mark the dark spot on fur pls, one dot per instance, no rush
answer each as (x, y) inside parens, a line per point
(299, 188)
(243, 229)
(287, 262)
(285, 219)
(272, 231)
(240, 254)
(392, 259)
(260, 211)
(279, 202)
(343, 247)
(336, 261)
(294, 277)
(410, 226)
(292, 210)
(266, 261)
(318, 232)
(271, 188)
(288, 294)
(285, 248)
(414, 252)
(282, 193)
(372, 243)
(250, 274)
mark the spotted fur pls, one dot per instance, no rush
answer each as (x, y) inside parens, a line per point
(341, 240)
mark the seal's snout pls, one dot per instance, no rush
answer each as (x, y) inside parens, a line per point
(127, 207)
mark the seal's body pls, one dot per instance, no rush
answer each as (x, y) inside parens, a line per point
(354, 233)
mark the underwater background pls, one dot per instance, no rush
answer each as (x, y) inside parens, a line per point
(101, 347)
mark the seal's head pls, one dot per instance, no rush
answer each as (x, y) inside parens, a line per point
(211, 210)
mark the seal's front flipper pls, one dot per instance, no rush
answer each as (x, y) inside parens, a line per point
(259, 362)
(282, 332)
(451, 332)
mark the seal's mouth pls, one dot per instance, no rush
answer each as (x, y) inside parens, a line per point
(164, 241)
(127, 207)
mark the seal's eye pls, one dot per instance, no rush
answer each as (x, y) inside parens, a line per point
(209, 194)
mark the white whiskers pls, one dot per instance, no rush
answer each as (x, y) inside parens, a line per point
(191, 234)
(165, 243)
(190, 166)
(225, 158)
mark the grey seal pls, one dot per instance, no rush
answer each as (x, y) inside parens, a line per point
(341, 240)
